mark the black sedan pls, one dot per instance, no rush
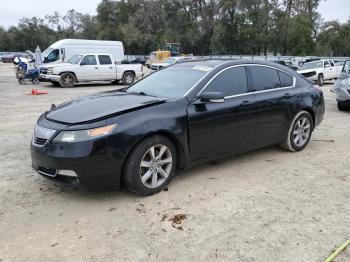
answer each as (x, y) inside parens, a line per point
(186, 114)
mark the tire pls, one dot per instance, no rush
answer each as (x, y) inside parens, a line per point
(146, 175)
(67, 80)
(341, 107)
(128, 78)
(301, 129)
(54, 83)
(36, 81)
(320, 80)
(21, 81)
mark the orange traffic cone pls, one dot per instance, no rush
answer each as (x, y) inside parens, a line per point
(36, 92)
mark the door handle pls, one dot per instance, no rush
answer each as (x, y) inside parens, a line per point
(111, 67)
(245, 103)
(287, 95)
(96, 67)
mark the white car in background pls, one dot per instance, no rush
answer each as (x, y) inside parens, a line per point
(320, 70)
(170, 61)
(90, 68)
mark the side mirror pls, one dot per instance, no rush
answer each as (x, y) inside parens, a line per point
(212, 97)
(328, 65)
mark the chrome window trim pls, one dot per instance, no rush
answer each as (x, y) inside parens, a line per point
(195, 84)
(255, 92)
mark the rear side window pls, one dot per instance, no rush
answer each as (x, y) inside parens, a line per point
(264, 78)
(232, 81)
(105, 60)
(331, 62)
(285, 79)
(89, 60)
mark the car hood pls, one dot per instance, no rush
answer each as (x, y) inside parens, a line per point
(100, 106)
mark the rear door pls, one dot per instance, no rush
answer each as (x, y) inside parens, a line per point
(88, 69)
(275, 103)
(221, 128)
(107, 69)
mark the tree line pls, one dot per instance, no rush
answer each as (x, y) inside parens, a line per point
(203, 27)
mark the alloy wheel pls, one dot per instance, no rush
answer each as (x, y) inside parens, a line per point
(301, 131)
(155, 166)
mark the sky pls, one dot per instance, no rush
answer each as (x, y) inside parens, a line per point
(13, 10)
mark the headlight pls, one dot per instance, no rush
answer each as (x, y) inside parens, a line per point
(50, 71)
(82, 135)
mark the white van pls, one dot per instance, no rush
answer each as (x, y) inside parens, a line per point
(63, 50)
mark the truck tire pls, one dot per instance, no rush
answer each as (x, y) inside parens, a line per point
(320, 80)
(128, 78)
(67, 80)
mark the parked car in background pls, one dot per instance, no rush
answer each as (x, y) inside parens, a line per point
(342, 88)
(320, 70)
(185, 114)
(170, 61)
(92, 67)
(139, 60)
(286, 63)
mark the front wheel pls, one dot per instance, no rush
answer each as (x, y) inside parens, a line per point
(36, 81)
(299, 133)
(150, 166)
(67, 80)
(128, 78)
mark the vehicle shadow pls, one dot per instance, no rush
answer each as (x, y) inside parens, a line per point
(214, 168)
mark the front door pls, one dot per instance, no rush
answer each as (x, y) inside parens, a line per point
(217, 129)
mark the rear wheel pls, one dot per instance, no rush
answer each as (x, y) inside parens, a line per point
(128, 78)
(67, 80)
(299, 133)
(150, 166)
(320, 80)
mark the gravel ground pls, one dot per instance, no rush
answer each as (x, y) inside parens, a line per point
(267, 205)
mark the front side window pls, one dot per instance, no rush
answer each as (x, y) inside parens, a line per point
(264, 78)
(331, 62)
(285, 79)
(89, 60)
(232, 81)
(105, 60)
(326, 64)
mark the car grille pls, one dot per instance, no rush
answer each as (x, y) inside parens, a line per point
(47, 171)
(310, 74)
(39, 141)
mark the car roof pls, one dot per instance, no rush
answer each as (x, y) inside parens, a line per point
(217, 62)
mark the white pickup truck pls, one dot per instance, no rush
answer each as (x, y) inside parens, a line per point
(320, 70)
(90, 68)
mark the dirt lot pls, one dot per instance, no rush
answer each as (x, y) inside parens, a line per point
(268, 205)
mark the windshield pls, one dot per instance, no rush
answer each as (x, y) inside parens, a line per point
(47, 52)
(74, 59)
(172, 82)
(312, 65)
